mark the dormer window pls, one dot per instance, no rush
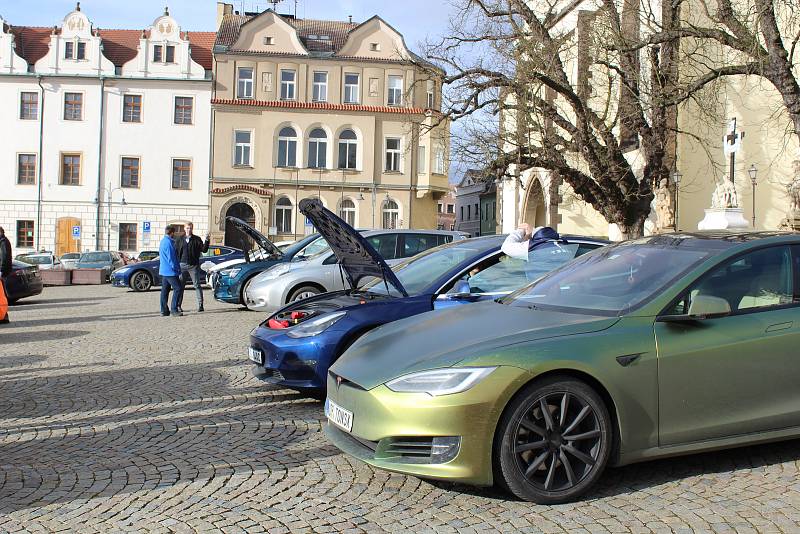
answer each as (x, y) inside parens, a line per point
(163, 54)
(269, 40)
(375, 47)
(75, 50)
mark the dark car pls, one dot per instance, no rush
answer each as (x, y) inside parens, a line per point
(143, 275)
(107, 260)
(24, 281)
(296, 346)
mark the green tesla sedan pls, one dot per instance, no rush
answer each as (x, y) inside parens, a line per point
(654, 347)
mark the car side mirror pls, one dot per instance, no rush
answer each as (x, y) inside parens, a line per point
(702, 307)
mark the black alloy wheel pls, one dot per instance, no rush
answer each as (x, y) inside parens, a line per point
(555, 441)
(141, 281)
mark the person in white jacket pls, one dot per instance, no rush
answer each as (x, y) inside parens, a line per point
(517, 243)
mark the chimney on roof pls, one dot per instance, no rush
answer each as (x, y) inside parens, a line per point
(78, 7)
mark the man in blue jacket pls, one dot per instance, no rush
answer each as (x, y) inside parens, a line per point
(170, 271)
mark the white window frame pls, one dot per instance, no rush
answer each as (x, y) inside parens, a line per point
(38, 106)
(431, 88)
(319, 90)
(282, 208)
(289, 85)
(439, 163)
(243, 85)
(141, 108)
(287, 140)
(64, 107)
(352, 89)
(392, 213)
(314, 149)
(393, 157)
(347, 142)
(19, 167)
(175, 110)
(422, 160)
(73, 56)
(394, 95)
(245, 147)
(348, 212)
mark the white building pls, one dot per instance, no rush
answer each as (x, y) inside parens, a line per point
(106, 133)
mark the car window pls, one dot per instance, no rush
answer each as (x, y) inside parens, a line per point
(444, 238)
(214, 251)
(413, 244)
(313, 248)
(761, 279)
(91, 257)
(385, 244)
(330, 260)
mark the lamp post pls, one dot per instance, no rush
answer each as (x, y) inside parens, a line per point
(110, 193)
(753, 172)
(676, 177)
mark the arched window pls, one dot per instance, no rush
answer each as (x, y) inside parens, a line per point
(283, 215)
(317, 149)
(348, 149)
(287, 147)
(347, 211)
(391, 213)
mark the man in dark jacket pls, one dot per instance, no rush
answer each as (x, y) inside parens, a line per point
(5, 270)
(189, 248)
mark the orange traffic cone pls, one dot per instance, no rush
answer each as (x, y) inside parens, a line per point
(3, 304)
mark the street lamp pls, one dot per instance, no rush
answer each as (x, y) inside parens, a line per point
(753, 172)
(676, 177)
(110, 194)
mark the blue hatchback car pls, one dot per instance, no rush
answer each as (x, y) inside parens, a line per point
(143, 275)
(230, 283)
(296, 346)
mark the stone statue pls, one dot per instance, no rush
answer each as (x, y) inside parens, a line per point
(725, 195)
(663, 206)
(794, 190)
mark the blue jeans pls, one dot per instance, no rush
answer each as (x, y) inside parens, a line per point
(168, 283)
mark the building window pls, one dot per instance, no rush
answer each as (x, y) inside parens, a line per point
(320, 87)
(494, 210)
(477, 212)
(469, 212)
(132, 108)
(395, 97)
(351, 88)
(127, 236)
(393, 154)
(375, 47)
(391, 213)
(439, 163)
(288, 84)
(71, 51)
(439, 208)
(347, 211)
(24, 234)
(422, 159)
(451, 208)
(287, 147)
(348, 149)
(184, 106)
(26, 169)
(129, 177)
(431, 85)
(317, 149)
(283, 215)
(268, 40)
(170, 54)
(244, 86)
(73, 106)
(158, 53)
(29, 106)
(181, 173)
(243, 148)
(462, 213)
(70, 169)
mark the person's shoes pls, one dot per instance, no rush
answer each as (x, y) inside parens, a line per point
(165, 315)
(177, 314)
(201, 308)
(5, 321)
(180, 309)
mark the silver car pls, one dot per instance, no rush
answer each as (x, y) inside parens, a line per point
(70, 259)
(310, 275)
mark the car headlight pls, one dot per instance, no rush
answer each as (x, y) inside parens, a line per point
(207, 266)
(275, 272)
(122, 271)
(440, 381)
(231, 273)
(315, 326)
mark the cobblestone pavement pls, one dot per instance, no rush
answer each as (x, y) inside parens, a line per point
(112, 418)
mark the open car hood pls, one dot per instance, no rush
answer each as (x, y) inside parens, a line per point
(356, 256)
(257, 237)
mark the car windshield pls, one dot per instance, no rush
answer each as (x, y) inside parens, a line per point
(71, 256)
(613, 280)
(43, 259)
(315, 247)
(90, 257)
(418, 273)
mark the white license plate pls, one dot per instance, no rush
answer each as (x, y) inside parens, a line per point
(255, 355)
(339, 416)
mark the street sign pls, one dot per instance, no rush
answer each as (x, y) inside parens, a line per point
(76, 232)
(146, 227)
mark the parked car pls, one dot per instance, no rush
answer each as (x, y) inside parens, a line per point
(230, 281)
(143, 275)
(146, 255)
(20, 257)
(108, 261)
(308, 276)
(24, 281)
(660, 346)
(43, 260)
(295, 346)
(70, 259)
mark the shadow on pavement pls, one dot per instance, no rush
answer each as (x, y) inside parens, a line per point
(30, 301)
(39, 335)
(27, 323)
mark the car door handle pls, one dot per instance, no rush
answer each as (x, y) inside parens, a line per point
(779, 326)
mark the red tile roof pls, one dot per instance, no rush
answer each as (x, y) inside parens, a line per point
(316, 105)
(119, 46)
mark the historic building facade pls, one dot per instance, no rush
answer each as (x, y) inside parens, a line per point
(341, 111)
(107, 133)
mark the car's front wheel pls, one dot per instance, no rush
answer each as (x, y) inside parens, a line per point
(554, 441)
(304, 292)
(141, 281)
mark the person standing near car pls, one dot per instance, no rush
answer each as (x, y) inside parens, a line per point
(170, 271)
(5, 270)
(189, 249)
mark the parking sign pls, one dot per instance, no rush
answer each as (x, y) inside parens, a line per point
(146, 227)
(76, 232)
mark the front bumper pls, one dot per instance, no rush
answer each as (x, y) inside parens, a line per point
(295, 363)
(119, 280)
(264, 299)
(224, 291)
(382, 416)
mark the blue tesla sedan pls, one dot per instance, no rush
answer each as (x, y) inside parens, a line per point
(143, 275)
(296, 346)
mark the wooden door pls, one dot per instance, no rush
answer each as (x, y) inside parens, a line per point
(64, 240)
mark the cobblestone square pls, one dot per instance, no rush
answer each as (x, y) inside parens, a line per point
(113, 418)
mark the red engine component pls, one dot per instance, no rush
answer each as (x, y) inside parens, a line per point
(276, 324)
(299, 315)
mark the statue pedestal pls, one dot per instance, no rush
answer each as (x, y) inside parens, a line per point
(791, 222)
(723, 219)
